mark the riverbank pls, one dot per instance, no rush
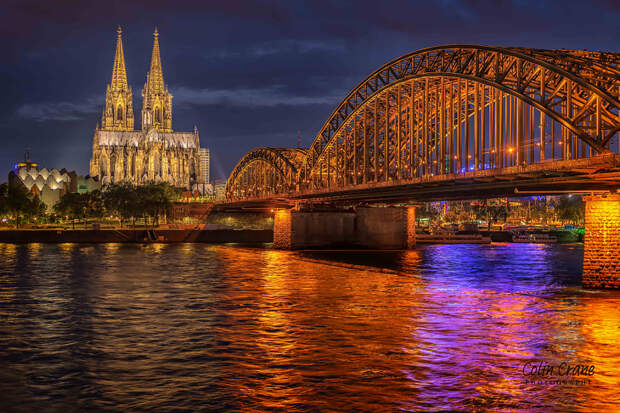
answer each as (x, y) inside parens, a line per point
(214, 236)
(561, 236)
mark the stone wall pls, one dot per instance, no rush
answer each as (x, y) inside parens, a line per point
(377, 228)
(601, 261)
(382, 228)
(295, 230)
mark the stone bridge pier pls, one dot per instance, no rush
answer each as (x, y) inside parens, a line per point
(601, 258)
(365, 227)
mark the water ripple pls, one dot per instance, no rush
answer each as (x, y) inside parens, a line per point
(223, 328)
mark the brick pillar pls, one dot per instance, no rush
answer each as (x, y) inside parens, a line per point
(282, 230)
(601, 260)
(411, 226)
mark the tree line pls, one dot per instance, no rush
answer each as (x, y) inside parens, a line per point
(150, 202)
(19, 203)
(566, 208)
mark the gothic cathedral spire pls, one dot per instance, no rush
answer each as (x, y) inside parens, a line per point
(118, 111)
(156, 100)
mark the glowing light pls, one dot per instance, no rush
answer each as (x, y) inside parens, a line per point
(511, 150)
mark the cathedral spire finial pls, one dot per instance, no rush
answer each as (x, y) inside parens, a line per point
(156, 100)
(118, 111)
(119, 73)
(155, 81)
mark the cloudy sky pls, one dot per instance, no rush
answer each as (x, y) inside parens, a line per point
(248, 73)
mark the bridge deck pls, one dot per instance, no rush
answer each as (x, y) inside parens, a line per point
(599, 173)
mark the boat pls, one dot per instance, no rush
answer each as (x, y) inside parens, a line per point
(451, 238)
(534, 238)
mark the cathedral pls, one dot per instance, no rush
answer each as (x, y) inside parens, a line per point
(154, 152)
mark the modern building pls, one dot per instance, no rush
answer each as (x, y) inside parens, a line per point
(202, 184)
(49, 185)
(154, 152)
(205, 166)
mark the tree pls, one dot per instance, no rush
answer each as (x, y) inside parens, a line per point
(20, 203)
(95, 206)
(73, 205)
(121, 199)
(491, 213)
(156, 199)
(571, 208)
(4, 192)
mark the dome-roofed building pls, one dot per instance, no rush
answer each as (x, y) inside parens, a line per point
(49, 185)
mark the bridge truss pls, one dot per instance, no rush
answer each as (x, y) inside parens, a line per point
(452, 110)
(265, 172)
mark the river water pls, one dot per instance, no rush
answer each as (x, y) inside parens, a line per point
(123, 327)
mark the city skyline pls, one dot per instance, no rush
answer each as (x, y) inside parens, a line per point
(302, 206)
(282, 68)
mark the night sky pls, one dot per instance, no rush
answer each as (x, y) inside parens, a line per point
(248, 73)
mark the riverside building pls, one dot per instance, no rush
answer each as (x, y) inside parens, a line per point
(152, 153)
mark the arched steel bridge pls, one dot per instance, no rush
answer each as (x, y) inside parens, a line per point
(487, 117)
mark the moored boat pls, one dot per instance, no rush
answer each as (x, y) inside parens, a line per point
(450, 238)
(534, 238)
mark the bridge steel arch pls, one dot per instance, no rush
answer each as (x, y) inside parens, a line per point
(264, 172)
(456, 108)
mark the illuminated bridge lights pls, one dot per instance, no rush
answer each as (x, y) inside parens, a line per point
(450, 110)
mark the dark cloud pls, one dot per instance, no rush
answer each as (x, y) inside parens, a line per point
(45, 111)
(248, 73)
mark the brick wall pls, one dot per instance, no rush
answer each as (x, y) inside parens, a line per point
(411, 226)
(377, 228)
(282, 230)
(601, 261)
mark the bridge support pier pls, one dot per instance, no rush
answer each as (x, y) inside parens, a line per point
(377, 228)
(601, 260)
(385, 228)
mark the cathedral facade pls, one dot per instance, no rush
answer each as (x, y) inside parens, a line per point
(152, 153)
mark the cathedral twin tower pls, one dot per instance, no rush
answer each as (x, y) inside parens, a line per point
(153, 153)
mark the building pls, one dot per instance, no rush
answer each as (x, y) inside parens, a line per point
(154, 152)
(202, 185)
(49, 185)
(205, 166)
(219, 189)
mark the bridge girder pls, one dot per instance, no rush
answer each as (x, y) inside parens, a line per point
(449, 110)
(574, 92)
(265, 171)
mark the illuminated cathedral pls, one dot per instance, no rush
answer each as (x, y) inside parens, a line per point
(154, 152)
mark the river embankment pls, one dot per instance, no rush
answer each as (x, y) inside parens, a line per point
(215, 236)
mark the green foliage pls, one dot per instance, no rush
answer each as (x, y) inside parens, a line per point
(571, 208)
(4, 190)
(152, 199)
(18, 202)
(491, 213)
(122, 200)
